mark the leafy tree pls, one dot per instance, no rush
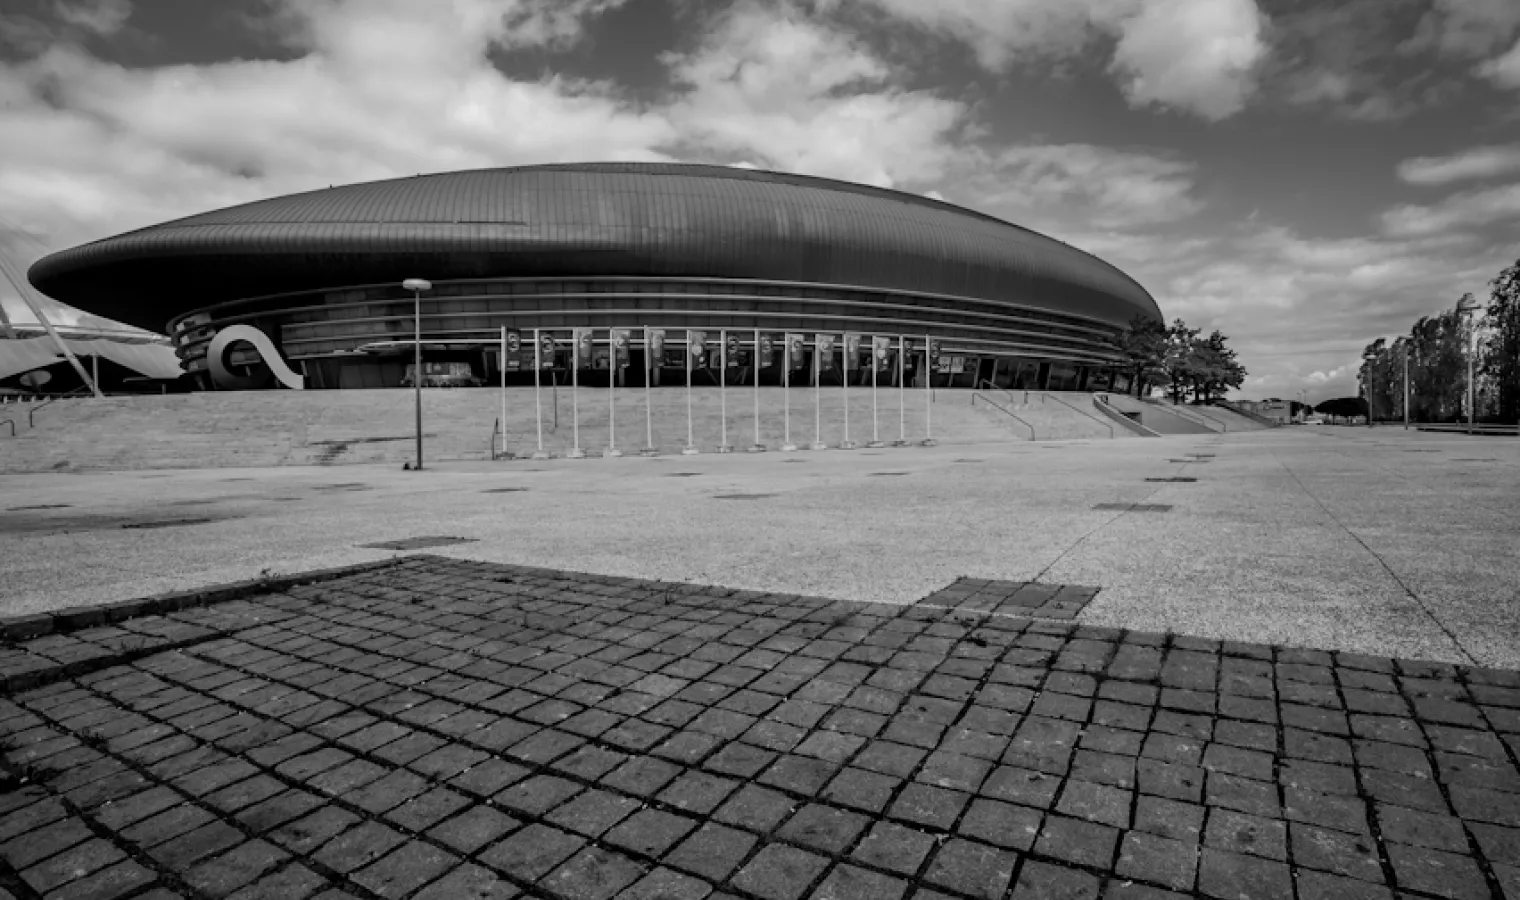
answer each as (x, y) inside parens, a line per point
(1183, 364)
(1343, 407)
(1144, 345)
(1500, 366)
(1217, 368)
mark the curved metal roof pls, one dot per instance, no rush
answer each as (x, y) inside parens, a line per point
(585, 219)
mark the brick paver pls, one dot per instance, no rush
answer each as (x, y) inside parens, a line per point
(440, 728)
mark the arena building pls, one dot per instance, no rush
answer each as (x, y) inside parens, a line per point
(316, 279)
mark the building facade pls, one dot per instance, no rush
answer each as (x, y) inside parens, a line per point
(546, 250)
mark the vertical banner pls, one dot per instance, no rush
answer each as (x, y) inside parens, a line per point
(654, 356)
(791, 359)
(512, 349)
(617, 360)
(823, 350)
(696, 354)
(851, 361)
(546, 350)
(580, 353)
(823, 358)
(881, 349)
(726, 357)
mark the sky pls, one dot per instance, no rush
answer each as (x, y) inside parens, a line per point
(1304, 177)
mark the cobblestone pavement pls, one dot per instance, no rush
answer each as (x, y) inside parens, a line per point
(449, 729)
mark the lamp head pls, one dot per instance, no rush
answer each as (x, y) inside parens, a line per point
(417, 284)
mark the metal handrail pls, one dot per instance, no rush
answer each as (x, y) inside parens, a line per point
(51, 399)
(1012, 397)
(10, 422)
(1249, 414)
(995, 405)
(1100, 401)
(1195, 418)
(1107, 425)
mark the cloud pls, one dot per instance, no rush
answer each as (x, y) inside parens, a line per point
(101, 17)
(775, 83)
(1467, 29)
(1470, 164)
(1046, 185)
(1503, 71)
(1193, 56)
(1465, 210)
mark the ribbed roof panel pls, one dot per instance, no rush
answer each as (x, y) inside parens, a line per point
(585, 219)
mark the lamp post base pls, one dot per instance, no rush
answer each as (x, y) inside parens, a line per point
(788, 448)
(899, 443)
(928, 442)
(576, 453)
(612, 452)
(818, 445)
(689, 451)
(725, 448)
(542, 454)
(649, 451)
(874, 444)
(756, 448)
(847, 445)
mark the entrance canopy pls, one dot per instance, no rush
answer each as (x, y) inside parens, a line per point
(151, 360)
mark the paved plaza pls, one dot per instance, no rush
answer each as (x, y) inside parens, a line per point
(1237, 667)
(437, 728)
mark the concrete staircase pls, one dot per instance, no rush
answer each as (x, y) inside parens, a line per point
(273, 428)
(1162, 419)
(1053, 416)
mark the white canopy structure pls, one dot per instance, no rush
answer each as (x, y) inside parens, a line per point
(149, 359)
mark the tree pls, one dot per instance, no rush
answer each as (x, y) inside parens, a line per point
(1217, 368)
(1183, 365)
(1144, 345)
(1343, 407)
(1500, 360)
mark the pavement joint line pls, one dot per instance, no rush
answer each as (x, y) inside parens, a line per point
(1408, 591)
(349, 615)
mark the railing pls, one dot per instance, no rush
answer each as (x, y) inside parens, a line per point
(1101, 402)
(10, 422)
(1000, 408)
(30, 423)
(1181, 411)
(1107, 425)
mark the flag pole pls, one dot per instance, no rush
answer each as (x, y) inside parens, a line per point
(538, 396)
(612, 374)
(502, 365)
(818, 443)
(928, 394)
(786, 395)
(875, 426)
(754, 365)
(575, 398)
(902, 392)
(691, 445)
(648, 395)
(723, 446)
(844, 382)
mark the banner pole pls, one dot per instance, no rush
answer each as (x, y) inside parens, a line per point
(875, 426)
(691, 445)
(648, 395)
(612, 373)
(575, 398)
(723, 445)
(844, 383)
(928, 394)
(818, 443)
(754, 365)
(902, 392)
(502, 365)
(786, 395)
(538, 394)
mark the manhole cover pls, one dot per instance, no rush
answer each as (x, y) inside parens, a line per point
(166, 523)
(681, 474)
(1174, 478)
(1423, 451)
(349, 486)
(509, 490)
(794, 460)
(741, 496)
(1475, 459)
(1187, 460)
(886, 473)
(970, 460)
(418, 543)
(39, 506)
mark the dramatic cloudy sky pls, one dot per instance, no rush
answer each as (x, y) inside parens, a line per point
(1303, 175)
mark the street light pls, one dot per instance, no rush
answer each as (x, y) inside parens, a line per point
(1468, 306)
(417, 286)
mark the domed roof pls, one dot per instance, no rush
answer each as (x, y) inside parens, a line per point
(585, 219)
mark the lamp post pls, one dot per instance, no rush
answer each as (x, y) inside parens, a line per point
(417, 286)
(1468, 306)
